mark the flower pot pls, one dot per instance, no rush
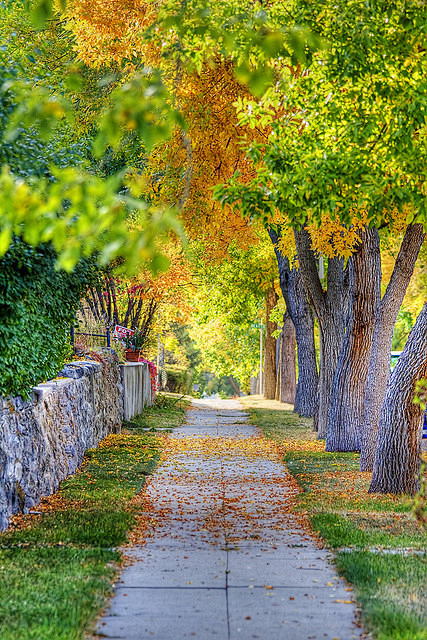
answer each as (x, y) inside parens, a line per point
(132, 356)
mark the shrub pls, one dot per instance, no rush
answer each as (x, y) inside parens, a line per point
(180, 380)
(37, 305)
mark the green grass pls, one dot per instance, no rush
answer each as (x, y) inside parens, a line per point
(368, 529)
(391, 590)
(51, 593)
(283, 425)
(92, 507)
(56, 568)
(165, 415)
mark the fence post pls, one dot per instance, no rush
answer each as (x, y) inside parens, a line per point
(108, 337)
(72, 335)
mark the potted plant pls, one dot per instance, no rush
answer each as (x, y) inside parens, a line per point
(134, 344)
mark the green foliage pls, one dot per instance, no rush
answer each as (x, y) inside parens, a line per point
(180, 379)
(37, 307)
(253, 35)
(23, 149)
(137, 341)
(402, 328)
(141, 105)
(46, 195)
(229, 299)
(348, 132)
(210, 384)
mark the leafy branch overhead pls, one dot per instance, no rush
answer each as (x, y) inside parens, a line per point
(143, 104)
(347, 132)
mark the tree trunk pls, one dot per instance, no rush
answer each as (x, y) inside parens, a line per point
(287, 364)
(379, 364)
(306, 397)
(254, 384)
(397, 458)
(348, 395)
(270, 347)
(234, 385)
(279, 345)
(298, 307)
(330, 307)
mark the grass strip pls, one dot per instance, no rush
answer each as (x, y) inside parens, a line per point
(391, 591)
(57, 566)
(389, 586)
(51, 593)
(167, 414)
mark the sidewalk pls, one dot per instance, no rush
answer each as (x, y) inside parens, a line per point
(219, 555)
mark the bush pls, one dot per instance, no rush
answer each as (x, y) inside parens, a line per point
(180, 380)
(37, 305)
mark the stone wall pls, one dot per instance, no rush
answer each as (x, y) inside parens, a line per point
(42, 441)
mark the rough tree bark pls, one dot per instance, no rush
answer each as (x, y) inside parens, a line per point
(270, 347)
(397, 458)
(379, 364)
(298, 307)
(347, 405)
(286, 371)
(330, 307)
(279, 346)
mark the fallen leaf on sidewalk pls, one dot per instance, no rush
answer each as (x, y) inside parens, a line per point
(344, 601)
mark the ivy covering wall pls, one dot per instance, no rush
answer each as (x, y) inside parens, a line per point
(37, 302)
(37, 305)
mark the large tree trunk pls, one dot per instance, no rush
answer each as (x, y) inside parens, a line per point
(330, 307)
(286, 370)
(397, 458)
(270, 347)
(379, 364)
(298, 307)
(348, 396)
(279, 345)
(306, 397)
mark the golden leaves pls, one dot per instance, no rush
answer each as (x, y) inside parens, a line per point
(108, 31)
(334, 239)
(251, 448)
(286, 243)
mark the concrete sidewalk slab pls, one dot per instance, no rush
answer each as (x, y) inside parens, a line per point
(281, 568)
(221, 554)
(288, 613)
(167, 614)
(178, 568)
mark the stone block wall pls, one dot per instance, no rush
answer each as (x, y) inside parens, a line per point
(42, 441)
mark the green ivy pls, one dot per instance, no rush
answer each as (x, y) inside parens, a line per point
(38, 302)
(37, 305)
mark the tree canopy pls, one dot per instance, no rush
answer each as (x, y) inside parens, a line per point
(126, 126)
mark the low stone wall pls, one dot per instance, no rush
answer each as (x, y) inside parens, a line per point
(136, 388)
(44, 440)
